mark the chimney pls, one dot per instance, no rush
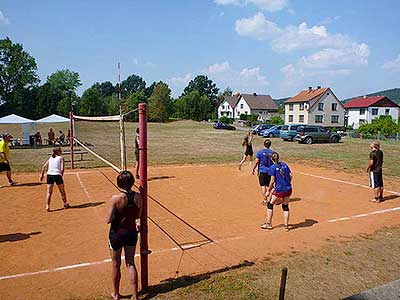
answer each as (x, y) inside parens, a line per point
(254, 94)
(309, 89)
(318, 87)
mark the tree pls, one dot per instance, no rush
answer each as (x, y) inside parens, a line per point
(192, 106)
(107, 89)
(17, 72)
(383, 124)
(91, 103)
(160, 103)
(64, 83)
(205, 87)
(276, 120)
(131, 85)
(132, 103)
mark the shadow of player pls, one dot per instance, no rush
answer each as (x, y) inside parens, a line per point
(14, 237)
(83, 205)
(305, 223)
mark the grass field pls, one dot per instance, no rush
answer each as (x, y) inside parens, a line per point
(187, 142)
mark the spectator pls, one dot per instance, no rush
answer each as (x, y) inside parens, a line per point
(38, 138)
(61, 138)
(51, 137)
(5, 157)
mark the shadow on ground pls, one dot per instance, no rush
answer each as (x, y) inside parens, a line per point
(160, 178)
(169, 285)
(83, 205)
(305, 223)
(391, 197)
(14, 237)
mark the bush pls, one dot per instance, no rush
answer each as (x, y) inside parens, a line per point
(226, 120)
(276, 120)
(384, 124)
(243, 117)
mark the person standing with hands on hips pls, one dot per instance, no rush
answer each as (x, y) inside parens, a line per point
(5, 157)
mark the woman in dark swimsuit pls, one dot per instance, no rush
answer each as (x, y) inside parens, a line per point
(248, 143)
(124, 217)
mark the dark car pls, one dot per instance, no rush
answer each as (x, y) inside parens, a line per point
(220, 125)
(288, 132)
(274, 131)
(309, 134)
(261, 128)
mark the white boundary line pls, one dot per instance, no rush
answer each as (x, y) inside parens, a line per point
(365, 215)
(342, 181)
(82, 185)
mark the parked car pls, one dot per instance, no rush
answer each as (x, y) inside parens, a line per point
(254, 128)
(309, 134)
(220, 125)
(288, 132)
(274, 131)
(262, 127)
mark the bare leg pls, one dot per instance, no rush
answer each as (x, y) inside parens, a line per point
(381, 193)
(8, 173)
(63, 194)
(286, 214)
(48, 196)
(242, 162)
(137, 169)
(116, 272)
(264, 192)
(132, 272)
(251, 162)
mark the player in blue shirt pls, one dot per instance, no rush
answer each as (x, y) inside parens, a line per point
(264, 162)
(282, 179)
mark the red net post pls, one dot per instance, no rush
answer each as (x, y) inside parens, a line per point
(144, 248)
(71, 137)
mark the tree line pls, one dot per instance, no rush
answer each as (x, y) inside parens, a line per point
(22, 93)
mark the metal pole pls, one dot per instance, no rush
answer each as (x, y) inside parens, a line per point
(283, 284)
(71, 137)
(144, 248)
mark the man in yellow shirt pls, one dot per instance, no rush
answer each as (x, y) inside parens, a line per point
(5, 157)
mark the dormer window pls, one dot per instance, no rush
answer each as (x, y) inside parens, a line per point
(320, 106)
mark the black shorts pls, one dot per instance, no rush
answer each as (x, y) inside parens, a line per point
(375, 179)
(55, 179)
(121, 238)
(249, 151)
(264, 179)
(4, 167)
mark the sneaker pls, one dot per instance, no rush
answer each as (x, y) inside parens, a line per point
(374, 200)
(266, 226)
(286, 227)
(264, 202)
(12, 182)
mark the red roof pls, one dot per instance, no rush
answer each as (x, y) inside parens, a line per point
(362, 102)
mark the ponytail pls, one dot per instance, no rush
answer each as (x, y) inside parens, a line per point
(275, 159)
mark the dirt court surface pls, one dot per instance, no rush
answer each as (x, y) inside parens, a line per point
(216, 217)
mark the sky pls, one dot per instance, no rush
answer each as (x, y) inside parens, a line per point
(275, 47)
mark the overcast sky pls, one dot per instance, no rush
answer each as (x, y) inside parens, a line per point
(277, 47)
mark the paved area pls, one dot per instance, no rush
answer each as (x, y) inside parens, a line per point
(390, 291)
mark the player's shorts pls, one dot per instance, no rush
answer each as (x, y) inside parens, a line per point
(249, 151)
(121, 238)
(55, 179)
(375, 179)
(283, 194)
(4, 167)
(264, 179)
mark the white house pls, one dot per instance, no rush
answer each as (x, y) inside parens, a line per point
(260, 105)
(363, 110)
(317, 106)
(227, 107)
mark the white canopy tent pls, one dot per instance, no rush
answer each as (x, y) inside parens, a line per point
(53, 119)
(27, 125)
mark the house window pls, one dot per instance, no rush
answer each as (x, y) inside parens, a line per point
(290, 106)
(290, 118)
(335, 119)
(320, 106)
(361, 121)
(241, 105)
(245, 112)
(301, 118)
(223, 106)
(387, 111)
(362, 111)
(301, 106)
(334, 106)
(374, 111)
(319, 118)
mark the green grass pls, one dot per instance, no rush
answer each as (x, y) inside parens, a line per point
(188, 142)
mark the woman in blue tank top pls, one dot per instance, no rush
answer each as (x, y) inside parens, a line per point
(124, 217)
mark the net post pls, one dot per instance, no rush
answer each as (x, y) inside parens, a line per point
(71, 137)
(122, 140)
(144, 249)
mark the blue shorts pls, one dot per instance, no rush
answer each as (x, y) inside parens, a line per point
(375, 180)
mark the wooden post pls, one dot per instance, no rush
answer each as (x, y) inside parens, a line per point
(283, 284)
(144, 248)
(71, 137)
